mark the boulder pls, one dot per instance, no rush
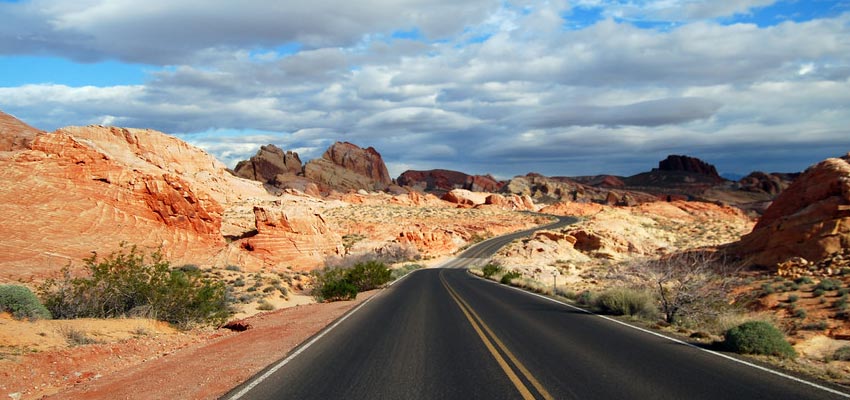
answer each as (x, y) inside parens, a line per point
(346, 167)
(810, 219)
(269, 162)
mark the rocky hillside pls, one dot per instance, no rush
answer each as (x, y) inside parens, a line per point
(82, 189)
(807, 226)
(15, 134)
(441, 181)
(269, 162)
(552, 190)
(344, 167)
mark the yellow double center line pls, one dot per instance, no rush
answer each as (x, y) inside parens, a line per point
(480, 328)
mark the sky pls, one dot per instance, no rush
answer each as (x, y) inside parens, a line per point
(507, 87)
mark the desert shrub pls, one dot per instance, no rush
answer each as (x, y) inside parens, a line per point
(842, 291)
(21, 303)
(803, 280)
(125, 283)
(189, 268)
(405, 269)
(233, 268)
(758, 337)
(690, 287)
(509, 276)
(818, 292)
(829, 284)
(800, 313)
(793, 298)
(585, 298)
(76, 337)
(265, 306)
(767, 289)
(332, 284)
(841, 354)
(816, 326)
(491, 269)
(625, 301)
(369, 275)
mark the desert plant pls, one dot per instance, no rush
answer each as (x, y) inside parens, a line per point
(369, 275)
(841, 354)
(235, 268)
(331, 284)
(625, 301)
(758, 337)
(692, 286)
(509, 276)
(818, 292)
(405, 269)
(803, 280)
(126, 283)
(76, 337)
(829, 284)
(793, 298)
(21, 303)
(491, 269)
(767, 289)
(800, 313)
(586, 298)
(264, 305)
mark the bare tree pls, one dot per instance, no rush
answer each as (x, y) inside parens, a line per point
(692, 285)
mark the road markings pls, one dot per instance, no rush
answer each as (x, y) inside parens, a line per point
(718, 354)
(315, 339)
(478, 324)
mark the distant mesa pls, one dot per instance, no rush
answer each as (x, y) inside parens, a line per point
(688, 164)
(442, 181)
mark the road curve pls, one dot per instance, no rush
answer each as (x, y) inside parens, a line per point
(444, 334)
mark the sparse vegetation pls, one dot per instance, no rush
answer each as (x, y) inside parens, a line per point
(690, 286)
(841, 354)
(333, 283)
(829, 284)
(404, 270)
(131, 284)
(509, 276)
(21, 303)
(76, 337)
(758, 337)
(626, 301)
(491, 269)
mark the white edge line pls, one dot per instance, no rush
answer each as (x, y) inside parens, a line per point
(749, 364)
(315, 339)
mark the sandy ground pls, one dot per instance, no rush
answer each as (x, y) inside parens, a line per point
(153, 361)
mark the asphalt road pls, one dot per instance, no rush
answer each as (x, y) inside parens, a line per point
(444, 334)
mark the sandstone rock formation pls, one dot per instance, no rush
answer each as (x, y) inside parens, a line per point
(810, 219)
(440, 181)
(770, 184)
(558, 189)
(345, 167)
(15, 134)
(269, 162)
(292, 236)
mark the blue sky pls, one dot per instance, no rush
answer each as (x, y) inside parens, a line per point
(483, 86)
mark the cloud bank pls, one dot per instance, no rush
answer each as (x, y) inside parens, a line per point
(480, 86)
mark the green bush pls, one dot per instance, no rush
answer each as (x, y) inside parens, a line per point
(841, 354)
(818, 292)
(491, 269)
(758, 337)
(21, 303)
(332, 284)
(829, 284)
(125, 284)
(508, 277)
(803, 280)
(404, 270)
(586, 298)
(369, 275)
(625, 301)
